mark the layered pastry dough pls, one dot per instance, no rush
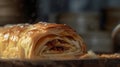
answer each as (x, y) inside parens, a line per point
(40, 40)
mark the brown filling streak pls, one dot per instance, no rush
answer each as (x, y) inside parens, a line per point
(57, 46)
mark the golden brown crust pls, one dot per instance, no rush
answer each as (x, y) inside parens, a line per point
(28, 40)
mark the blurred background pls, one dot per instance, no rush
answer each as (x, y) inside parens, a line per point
(94, 20)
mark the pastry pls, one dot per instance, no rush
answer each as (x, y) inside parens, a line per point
(40, 40)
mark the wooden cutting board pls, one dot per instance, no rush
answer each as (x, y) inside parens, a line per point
(62, 63)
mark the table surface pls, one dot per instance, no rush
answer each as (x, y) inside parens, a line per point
(61, 63)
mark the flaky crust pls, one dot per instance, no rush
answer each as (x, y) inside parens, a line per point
(28, 40)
